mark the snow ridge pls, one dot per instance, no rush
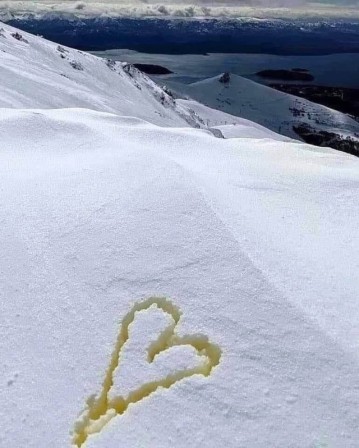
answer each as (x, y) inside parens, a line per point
(36, 73)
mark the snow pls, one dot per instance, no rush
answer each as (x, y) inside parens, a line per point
(230, 126)
(36, 73)
(165, 287)
(136, 369)
(272, 109)
(99, 212)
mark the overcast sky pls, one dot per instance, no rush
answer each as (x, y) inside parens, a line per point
(231, 3)
(188, 8)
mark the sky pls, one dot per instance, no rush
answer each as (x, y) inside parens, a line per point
(187, 8)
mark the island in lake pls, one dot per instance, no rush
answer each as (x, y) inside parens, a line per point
(287, 75)
(153, 69)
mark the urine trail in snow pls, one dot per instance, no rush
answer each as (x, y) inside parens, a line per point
(101, 409)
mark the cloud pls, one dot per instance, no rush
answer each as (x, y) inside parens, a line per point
(185, 8)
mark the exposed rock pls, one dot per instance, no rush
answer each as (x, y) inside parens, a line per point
(225, 78)
(328, 139)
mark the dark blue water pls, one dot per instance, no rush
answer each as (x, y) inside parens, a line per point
(197, 36)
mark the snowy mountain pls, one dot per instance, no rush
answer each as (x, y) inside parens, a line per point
(278, 111)
(161, 286)
(37, 73)
(40, 74)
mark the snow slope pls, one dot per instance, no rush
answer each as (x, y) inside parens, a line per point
(272, 109)
(38, 73)
(230, 126)
(254, 241)
(161, 286)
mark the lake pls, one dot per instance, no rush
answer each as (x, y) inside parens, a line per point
(328, 70)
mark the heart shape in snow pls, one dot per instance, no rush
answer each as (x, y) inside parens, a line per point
(101, 409)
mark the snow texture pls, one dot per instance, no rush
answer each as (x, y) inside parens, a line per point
(213, 281)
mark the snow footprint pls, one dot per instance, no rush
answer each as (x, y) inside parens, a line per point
(148, 355)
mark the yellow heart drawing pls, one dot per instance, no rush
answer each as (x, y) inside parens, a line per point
(101, 409)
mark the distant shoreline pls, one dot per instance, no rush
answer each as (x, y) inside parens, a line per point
(196, 36)
(336, 70)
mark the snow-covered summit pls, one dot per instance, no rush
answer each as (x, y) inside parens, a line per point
(161, 286)
(278, 111)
